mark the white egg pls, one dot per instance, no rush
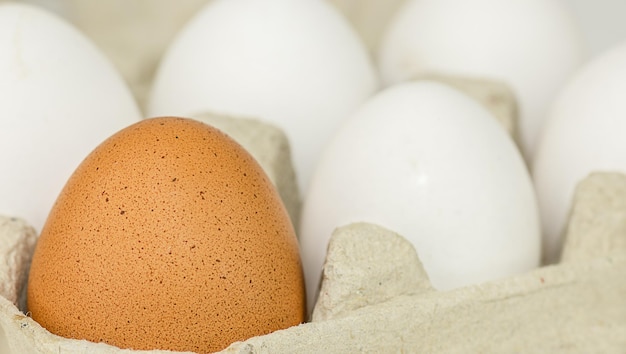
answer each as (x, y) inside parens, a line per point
(531, 45)
(296, 64)
(585, 132)
(60, 99)
(424, 160)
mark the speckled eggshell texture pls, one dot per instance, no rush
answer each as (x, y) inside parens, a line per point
(168, 236)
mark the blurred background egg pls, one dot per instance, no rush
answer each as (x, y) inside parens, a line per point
(531, 45)
(119, 27)
(169, 235)
(296, 64)
(60, 98)
(426, 161)
(585, 132)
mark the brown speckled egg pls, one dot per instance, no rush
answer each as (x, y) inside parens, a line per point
(168, 236)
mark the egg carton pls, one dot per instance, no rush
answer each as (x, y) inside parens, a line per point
(375, 295)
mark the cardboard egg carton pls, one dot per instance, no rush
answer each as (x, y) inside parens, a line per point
(375, 295)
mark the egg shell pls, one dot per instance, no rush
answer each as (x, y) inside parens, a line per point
(296, 64)
(168, 236)
(534, 46)
(60, 98)
(584, 133)
(269, 146)
(428, 162)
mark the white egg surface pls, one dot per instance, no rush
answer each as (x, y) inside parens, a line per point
(531, 45)
(585, 132)
(424, 160)
(59, 99)
(296, 64)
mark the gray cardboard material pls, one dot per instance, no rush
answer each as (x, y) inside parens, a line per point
(597, 224)
(4, 345)
(17, 242)
(366, 265)
(574, 308)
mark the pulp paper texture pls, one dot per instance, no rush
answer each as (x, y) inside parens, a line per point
(4, 346)
(17, 241)
(368, 265)
(597, 223)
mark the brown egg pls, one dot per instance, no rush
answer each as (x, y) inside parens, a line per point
(168, 236)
